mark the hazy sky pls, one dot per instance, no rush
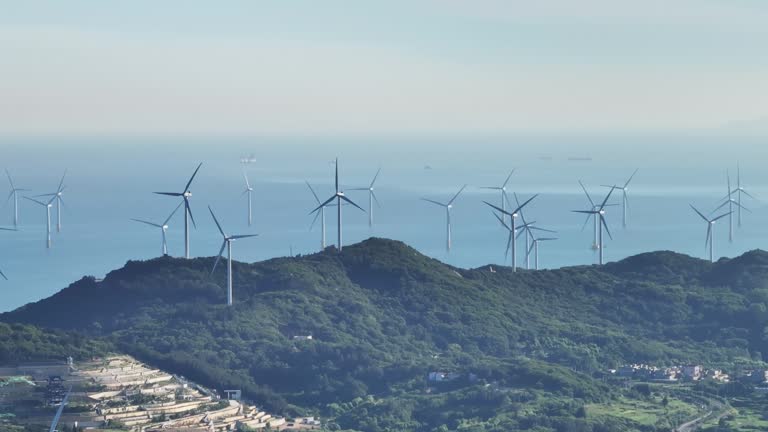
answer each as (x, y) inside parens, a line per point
(177, 67)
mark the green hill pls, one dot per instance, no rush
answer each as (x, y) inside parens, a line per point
(382, 316)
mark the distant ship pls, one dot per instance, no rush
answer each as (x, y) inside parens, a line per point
(248, 160)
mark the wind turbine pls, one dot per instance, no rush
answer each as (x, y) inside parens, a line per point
(710, 238)
(512, 233)
(228, 244)
(535, 248)
(47, 206)
(185, 195)
(15, 195)
(739, 191)
(371, 197)
(59, 200)
(338, 196)
(502, 189)
(624, 199)
(513, 215)
(448, 206)
(599, 215)
(249, 191)
(5, 229)
(528, 230)
(320, 214)
(163, 227)
(730, 202)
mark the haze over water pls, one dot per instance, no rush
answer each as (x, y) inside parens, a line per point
(111, 180)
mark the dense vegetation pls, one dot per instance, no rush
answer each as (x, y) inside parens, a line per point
(383, 316)
(25, 343)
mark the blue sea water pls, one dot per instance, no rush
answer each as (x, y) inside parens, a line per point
(111, 181)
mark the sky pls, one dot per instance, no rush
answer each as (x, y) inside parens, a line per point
(307, 67)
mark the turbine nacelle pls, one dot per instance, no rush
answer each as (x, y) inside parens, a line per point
(187, 194)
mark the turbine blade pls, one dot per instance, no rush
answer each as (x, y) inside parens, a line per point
(698, 212)
(189, 183)
(502, 222)
(169, 193)
(490, 187)
(45, 195)
(337, 175)
(602, 206)
(10, 180)
(507, 180)
(709, 235)
(323, 204)
(61, 182)
(605, 224)
(434, 202)
(313, 191)
(350, 201)
(546, 238)
(498, 209)
(631, 177)
(247, 183)
(218, 225)
(36, 201)
(189, 210)
(720, 206)
(590, 212)
(457, 195)
(587, 194)
(3, 275)
(373, 194)
(509, 245)
(721, 216)
(221, 251)
(148, 223)
(517, 201)
(242, 236)
(747, 193)
(317, 215)
(587, 221)
(520, 207)
(542, 229)
(375, 177)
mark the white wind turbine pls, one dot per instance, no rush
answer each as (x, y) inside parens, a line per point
(185, 195)
(528, 231)
(371, 197)
(512, 234)
(47, 206)
(535, 248)
(624, 198)
(227, 243)
(59, 200)
(513, 229)
(15, 195)
(163, 227)
(599, 215)
(448, 206)
(710, 238)
(730, 202)
(739, 191)
(502, 190)
(339, 197)
(249, 191)
(320, 214)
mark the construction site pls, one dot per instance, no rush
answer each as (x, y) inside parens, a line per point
(121, 394)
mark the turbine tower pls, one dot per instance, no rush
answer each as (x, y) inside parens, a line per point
(624, 198)
(15, 195)
(513, 229)
(535, 248)
(248, 191)
(502, 190)
(710, 238)
(59, 200)
(338, 196)
(512, 233)
(163, 227)
(47, 206)
(227, 243)
(448, 206)
(371, 197)
(599, 215)
(185, 195)
(740, 191)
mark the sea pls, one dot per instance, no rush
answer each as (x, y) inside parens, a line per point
(109, 181)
